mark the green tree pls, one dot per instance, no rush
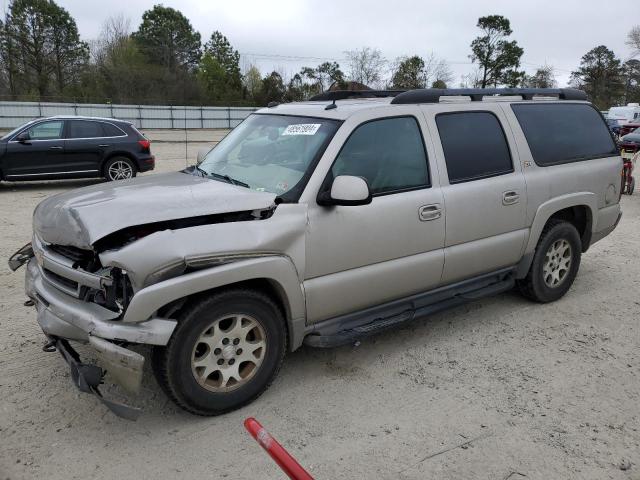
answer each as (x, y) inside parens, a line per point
(631, 71)
(273, 89)
(252, 81)
(168, 38)
(228, 58)
(498, 57)
(214, 79)
(600, 75)
(543, 78)
(439, 84)
(322, 77)
(409, 74)
(41, 48)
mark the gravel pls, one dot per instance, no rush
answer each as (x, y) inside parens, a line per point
(499, 388)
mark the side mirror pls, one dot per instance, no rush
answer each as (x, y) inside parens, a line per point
(23, 137)
(346, 190)
(203, 153)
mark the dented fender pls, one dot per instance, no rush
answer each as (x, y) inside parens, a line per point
(277, 269)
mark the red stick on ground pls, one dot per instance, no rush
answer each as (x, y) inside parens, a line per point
(285, 461)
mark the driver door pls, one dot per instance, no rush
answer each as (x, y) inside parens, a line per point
(41, 155)
(366, 255)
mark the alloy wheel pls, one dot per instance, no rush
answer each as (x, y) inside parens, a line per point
(120, 170)
(228, 353)
(557, 263)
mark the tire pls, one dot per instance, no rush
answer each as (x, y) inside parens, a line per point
(119, 168)
(182, 367)
(547, 281)
(632, 186)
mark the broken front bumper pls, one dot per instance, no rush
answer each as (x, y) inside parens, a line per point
(63, 317)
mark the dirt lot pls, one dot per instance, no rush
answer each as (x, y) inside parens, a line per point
(500, 388)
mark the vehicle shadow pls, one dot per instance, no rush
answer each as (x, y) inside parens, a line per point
(318, 365)
(49, 184)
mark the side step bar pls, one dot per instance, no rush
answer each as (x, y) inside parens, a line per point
(352, 327)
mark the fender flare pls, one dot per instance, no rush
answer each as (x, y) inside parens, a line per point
(276, 269)
(548, 208)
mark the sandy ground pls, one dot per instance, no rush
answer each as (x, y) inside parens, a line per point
(500, 388)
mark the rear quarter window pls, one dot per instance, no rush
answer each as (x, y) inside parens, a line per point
(563, 133)
(111, 130)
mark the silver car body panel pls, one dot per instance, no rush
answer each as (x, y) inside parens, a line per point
(81, 217)
(323, 262)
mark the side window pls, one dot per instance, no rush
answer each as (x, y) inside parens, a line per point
(474, 146)
(388, 153)
(111, 130)
(46, 131)
(560, 133)
(84, 129)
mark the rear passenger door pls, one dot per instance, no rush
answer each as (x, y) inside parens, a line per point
(483, 187)
(84, 145)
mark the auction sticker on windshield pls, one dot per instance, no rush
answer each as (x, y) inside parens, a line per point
(302, 129)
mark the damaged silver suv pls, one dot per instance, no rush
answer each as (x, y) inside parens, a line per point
(320, 223)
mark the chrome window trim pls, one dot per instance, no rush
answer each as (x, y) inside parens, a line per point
(65, 120)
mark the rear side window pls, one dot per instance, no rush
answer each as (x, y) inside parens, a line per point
(84, 129)
(561, 133)
(388, 153)
(474, 146)
(111, 130)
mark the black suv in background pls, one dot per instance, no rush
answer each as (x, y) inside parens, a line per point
(74, 147)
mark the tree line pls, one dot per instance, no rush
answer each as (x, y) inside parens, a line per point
(165, 60)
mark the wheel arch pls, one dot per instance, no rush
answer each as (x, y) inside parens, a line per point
(118, 153)
(274, 275)
(578, 209)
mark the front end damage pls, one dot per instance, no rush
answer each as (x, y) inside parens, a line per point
(65, 314)
(92, 285)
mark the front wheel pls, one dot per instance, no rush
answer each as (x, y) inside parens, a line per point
(555, 263)
(224, 353)
(119, 168)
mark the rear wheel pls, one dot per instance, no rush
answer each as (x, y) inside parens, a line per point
(224, 353)
(555, 263)
(119, 168)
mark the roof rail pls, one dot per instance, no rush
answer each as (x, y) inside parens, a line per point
(432, 95)
(344, 94)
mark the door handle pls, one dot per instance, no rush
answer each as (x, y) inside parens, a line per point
(55, 147)
(511, 197)
(104, 145)
(429, 212)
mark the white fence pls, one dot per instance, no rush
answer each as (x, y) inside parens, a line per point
(13, 114)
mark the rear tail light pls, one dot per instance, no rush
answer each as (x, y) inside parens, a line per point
(146, 144)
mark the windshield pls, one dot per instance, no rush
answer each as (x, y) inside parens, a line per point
(270, 153)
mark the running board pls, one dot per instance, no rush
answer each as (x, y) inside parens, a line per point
(353, 327)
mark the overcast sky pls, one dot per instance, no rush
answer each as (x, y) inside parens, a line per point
(274, 34)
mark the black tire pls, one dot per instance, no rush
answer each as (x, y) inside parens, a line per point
(172, 365)
(107, 171)
(534, 286)
(632, 186)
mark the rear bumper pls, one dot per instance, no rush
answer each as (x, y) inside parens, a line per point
(600, 234)
(147, 163)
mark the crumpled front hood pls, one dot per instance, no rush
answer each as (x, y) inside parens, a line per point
(81, 217)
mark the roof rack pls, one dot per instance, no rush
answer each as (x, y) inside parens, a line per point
(344, 94)
(433, 95)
